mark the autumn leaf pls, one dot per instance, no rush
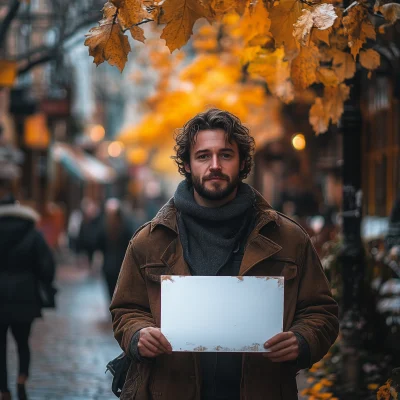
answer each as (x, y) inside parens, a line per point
(370, 59)
(334, 98)
(137, 33)
(322, 17)
(255, 23)
(273, 67)
(131, 12)
(327, 77)
(107, 42)
(329, 108)
(320, 36)
(283, 16)
(180, 17)
(304, 67)
(343, 64)
(358, 28)
(302, 28)
(319, 120)
(109, 10)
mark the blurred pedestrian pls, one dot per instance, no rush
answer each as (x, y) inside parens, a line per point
(26, 269)
(89, 230)
(113, 241)
(216, 225)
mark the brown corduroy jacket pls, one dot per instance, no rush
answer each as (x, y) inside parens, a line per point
(276, 247)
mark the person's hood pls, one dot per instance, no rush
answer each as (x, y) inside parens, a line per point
(15, 222)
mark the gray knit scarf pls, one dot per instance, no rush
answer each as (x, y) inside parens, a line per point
(210, 235)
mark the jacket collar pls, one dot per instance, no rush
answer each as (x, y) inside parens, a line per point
(16, 210)
(258, 248)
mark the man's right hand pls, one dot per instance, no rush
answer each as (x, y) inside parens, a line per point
(152, 343)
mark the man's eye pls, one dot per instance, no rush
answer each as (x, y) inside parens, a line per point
(227, 156)
(202, 157)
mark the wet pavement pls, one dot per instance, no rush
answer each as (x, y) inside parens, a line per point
(71, 345)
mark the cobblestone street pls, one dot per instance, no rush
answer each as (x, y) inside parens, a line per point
(71, 345)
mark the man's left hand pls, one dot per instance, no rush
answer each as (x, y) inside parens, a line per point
(282, 347)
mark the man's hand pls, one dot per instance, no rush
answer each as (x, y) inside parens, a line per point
(152, 343)
(283, 347)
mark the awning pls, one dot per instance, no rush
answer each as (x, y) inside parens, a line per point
(82, 165)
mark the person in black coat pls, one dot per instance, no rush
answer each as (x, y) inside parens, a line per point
(113, 240)
(26, 267)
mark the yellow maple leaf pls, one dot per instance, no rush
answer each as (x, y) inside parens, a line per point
(107, 42)
(180, 17)
(283, 16)
(304, 67)
(370, 59)
(343, 64)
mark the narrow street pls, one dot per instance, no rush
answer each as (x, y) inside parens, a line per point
(71, 345)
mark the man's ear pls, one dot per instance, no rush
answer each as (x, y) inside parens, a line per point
(242, 164)
(187, 168)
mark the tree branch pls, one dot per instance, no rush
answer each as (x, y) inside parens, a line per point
(48, 53)
(44, 59)
(12, 12)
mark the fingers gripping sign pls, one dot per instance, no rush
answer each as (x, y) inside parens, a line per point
(282, 347)
(152, 343)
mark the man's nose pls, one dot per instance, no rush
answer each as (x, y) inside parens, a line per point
(215, 164)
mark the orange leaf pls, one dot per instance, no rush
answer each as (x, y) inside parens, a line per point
(318, 117)
(131, 12)
(343, 64)
(304, 67)
(358, 28)
(327, 76)
(180, 17)
(370, 59)
(283, 16)
(321, 36)
(107, 42)
(137, 33)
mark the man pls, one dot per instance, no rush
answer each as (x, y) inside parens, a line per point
(217, 225)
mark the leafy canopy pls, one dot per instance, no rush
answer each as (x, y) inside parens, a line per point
(290, 45)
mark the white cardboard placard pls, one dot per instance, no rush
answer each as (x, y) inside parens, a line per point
(221, 313)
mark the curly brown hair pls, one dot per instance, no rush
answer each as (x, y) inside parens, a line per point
(214, 119)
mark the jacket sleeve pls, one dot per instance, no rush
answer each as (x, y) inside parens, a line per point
(44, 260)
(316, 316)
(130, 307)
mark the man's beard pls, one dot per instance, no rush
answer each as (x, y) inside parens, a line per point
(216, 194)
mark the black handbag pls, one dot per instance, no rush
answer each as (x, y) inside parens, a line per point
(118, 368)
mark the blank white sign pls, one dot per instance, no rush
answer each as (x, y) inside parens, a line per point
(221, 313)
